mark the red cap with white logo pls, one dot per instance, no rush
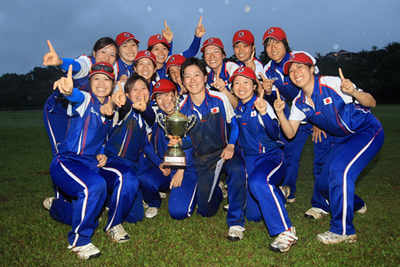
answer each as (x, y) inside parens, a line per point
(125, 36)
(156, 39)
(244, 36)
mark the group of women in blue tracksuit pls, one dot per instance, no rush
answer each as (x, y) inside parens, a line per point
(108, 143)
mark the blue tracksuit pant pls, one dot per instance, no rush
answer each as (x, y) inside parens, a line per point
(265, 175)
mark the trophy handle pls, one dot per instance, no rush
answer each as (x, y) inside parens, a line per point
(190, 123)
(161, 120)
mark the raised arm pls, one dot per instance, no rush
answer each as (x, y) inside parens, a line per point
(349, 88)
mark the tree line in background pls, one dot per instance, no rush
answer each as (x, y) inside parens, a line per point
(376, 71)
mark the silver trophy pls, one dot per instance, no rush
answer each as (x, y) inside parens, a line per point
(175, 124)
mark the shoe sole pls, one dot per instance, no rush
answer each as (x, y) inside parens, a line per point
(350, 240)
(311, 217)
(233, 238)
(90, 257)
(274, 249)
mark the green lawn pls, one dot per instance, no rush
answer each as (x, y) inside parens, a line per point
(29, 237)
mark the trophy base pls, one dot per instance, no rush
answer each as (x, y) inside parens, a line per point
(174, 162)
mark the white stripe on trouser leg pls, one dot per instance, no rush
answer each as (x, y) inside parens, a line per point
(274, 196)
(344, 215)
(53, 138)
(191, 201)
(118, 194)
(86, 191)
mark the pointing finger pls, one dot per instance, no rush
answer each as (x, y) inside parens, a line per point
(262, 92)
(278, 95)
(341, 74)
(69, 74)
(200, 21)
(262, 76)
(165, 24)
(51, 48)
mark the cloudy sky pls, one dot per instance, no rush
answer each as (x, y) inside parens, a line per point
(74, 25)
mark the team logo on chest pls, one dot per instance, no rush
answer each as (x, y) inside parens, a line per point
(327, 100)
(253, 113)
(214, 110)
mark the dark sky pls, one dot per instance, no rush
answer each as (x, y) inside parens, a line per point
(73, 26)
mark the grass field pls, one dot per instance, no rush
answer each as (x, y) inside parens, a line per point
(29, 237)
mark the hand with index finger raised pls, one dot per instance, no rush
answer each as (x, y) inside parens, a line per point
(167, 33)
(261, 104)
(279, 105)
(200, 30)
(51, 58)
(346, 86)
(266, 83)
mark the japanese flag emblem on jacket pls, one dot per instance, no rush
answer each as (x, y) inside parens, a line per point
(215, 110)
(327, 101)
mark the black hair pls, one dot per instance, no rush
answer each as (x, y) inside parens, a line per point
(132, 80)
(103, 42)
(151, 47)
(194, 61)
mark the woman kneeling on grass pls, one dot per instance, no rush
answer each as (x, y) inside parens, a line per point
(336, 106)
(78, 169)
(264, 160)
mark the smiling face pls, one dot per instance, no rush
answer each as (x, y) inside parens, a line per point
(106, 54)
(302, 75)
(161, 53)
(213, 56)
(243, 51)
(275, 50)
(128, 51)
(145, 68)
(194, 80)
(139, 93)
(101, 86)
(166, 102)
(243, 88)
(175, 74)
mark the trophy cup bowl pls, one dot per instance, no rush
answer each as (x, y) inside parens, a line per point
(175, 124)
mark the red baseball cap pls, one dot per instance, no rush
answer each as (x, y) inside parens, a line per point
(163, 86)
(276, 33)
(146, 54)
(243, 36)
(103, 68)
(244, 71)
(213, 41)
(125, 36)
(156, 39)
(299, 57)
(175, 60)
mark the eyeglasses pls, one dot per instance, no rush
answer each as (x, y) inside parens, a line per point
(101, 67)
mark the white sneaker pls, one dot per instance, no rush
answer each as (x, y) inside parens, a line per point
(333, 238)
(285, 191)
(363, 209)
(162, 195)
(47, 202)
(87, 251)
(151, 212)
(284, 241)
(118, 234)
(315, 213)
(235, 233)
